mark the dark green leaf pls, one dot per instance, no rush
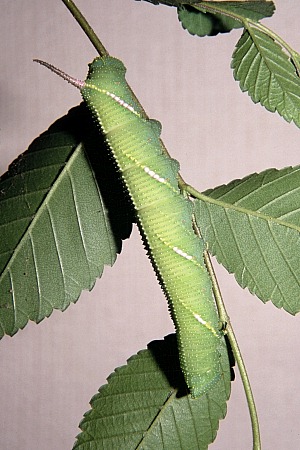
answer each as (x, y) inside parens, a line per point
(172, 2)
(267, 73)
(211, 18)
(205, 24)
(145, 406)
(252, 226)
(57, 230)
(251, 9)
(255, 10)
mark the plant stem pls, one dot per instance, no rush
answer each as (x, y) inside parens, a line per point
(186, 188)
(86, 27)
(237, 354)
(224, 318)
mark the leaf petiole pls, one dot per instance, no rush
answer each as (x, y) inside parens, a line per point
(248, 24)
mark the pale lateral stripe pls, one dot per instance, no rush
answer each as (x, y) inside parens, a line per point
(200, 319)
(121, 102)
(182, 253)
(154, 175)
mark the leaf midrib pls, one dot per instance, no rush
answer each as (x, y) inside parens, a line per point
(40, 210)
(263, 51)
(248, 212)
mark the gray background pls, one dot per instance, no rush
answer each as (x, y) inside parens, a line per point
(49, 372)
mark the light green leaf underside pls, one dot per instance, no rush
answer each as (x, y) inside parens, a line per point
(252, 226)
(138, 408)
(255, 9)
(211, 18)
(55, 231)
(267, 73)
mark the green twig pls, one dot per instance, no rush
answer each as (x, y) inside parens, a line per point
(237, 354)
(81, 20)
(225, 320)
(184, 187)
(86, 27)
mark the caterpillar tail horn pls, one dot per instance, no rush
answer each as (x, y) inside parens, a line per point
(74, 81)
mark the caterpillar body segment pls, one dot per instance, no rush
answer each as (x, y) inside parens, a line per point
(164, 218)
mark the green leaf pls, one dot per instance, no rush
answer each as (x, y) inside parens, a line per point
(268, 74)
(56, 230)
(205, 24)
(295, 57)
(172, 2)
(249, 9)
(252, 226)
(145, 406)
(211, 18)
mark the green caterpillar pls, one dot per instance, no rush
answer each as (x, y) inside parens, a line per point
(164, 217)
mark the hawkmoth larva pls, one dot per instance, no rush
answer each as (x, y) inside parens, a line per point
(164, 217)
